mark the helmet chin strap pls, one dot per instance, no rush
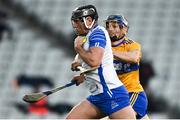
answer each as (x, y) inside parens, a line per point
(88, 27)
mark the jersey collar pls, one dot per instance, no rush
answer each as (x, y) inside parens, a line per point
(119, 43)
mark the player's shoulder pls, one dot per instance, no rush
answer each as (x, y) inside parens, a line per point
(98, 30)
(130, 41)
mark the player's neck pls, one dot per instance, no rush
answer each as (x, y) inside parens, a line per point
(115, 43)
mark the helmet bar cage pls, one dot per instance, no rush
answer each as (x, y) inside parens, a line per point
(121, 20)
(79, 14)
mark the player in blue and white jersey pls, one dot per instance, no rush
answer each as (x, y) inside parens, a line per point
(93, 47)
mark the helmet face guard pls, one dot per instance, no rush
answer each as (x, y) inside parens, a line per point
(121, 20)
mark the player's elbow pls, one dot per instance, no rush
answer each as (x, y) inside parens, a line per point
(94, 63)
(134, 60)
(134, 56)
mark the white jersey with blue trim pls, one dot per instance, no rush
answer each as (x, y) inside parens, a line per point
(105, 77)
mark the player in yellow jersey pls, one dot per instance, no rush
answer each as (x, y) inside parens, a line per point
(127, 55)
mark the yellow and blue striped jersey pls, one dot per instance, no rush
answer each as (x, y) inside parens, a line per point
(127, 72)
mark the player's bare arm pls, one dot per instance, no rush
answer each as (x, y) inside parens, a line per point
(92, 57)
(131, 56)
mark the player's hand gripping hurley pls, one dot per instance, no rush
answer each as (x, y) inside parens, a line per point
(34, 97)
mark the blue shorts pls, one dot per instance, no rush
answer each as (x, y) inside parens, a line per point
(139, 102)
(110, 104)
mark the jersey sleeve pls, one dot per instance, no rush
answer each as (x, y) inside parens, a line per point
(134, 46)
(97, 39)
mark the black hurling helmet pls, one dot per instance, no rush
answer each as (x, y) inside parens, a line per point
(84, 11)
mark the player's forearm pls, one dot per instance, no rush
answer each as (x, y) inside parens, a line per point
(132, 57)
(89, 57)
